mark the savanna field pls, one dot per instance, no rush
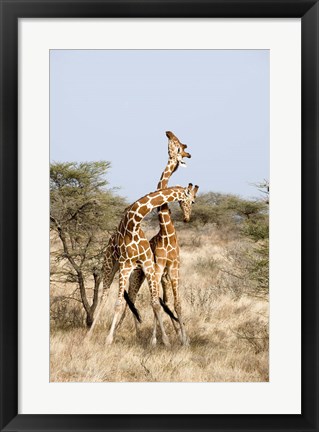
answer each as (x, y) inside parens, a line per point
(117, 104)
(224, 291)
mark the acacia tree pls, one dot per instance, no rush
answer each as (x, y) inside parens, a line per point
(257, 229)
(249, 219)
(82, 213)
(226, 209)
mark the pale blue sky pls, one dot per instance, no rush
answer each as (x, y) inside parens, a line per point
(116, 105)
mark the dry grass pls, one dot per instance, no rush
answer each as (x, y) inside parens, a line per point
(228, 330)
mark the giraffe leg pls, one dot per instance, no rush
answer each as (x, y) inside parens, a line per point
(110, 267)
(174, 276)
(136, 279)
(153, 279)
(167, 288)
(119, 305)
(153, 341)
(166, 285)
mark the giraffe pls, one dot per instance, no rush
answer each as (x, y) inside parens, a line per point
(164, 244)
(135, 251)
(176, 152)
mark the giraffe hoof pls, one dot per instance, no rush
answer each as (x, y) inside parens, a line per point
(186, 342)
(108, 341)
(88, 336)
(153, 341)
(166, 342)
(180, 337)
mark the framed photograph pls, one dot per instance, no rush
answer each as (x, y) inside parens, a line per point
(120, 309)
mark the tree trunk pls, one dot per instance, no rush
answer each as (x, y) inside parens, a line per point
(97, 282)
(89, 319)
(90, 312)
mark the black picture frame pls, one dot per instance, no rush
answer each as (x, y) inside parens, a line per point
(11, 11)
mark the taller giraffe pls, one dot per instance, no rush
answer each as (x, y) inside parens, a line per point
(135, 250)
(164, 244)
(176, 153)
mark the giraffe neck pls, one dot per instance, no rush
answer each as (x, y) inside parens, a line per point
(165, 221)
(141, 208)
(171, 166)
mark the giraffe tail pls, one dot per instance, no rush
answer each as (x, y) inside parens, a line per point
(167, 309)
(131, 305)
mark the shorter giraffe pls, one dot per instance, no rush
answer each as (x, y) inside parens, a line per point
(134, 250)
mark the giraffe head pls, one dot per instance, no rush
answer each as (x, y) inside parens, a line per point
(176, 150)
(188, 200)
